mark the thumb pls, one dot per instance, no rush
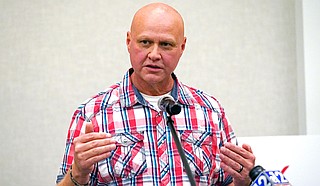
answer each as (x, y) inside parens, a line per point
(89, 127)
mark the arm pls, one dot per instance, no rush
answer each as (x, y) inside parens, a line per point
(66, 181)
(236, 161)
(88, 149)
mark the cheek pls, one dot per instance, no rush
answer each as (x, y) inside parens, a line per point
(171, 61)
(137, 55)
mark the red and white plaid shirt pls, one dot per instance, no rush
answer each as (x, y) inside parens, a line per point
(146, 153)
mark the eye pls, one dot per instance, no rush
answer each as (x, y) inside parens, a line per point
(145, 42)
(166, 45)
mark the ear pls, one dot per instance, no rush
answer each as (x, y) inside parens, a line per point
(183, 45)
(128, 40)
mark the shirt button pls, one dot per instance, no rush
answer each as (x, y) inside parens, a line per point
(125, 141)
(117, 169)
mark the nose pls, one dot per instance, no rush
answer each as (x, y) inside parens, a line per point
(154, 53)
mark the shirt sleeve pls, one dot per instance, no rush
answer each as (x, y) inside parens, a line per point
(76, 128)
(226, 135)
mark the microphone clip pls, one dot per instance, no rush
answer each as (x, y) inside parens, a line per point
(167, 104)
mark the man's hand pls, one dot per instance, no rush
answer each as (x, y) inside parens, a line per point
(237, 161)
(89, 149)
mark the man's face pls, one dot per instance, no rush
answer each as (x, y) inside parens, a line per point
(155, 44)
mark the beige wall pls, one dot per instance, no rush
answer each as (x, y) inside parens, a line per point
(56, 54)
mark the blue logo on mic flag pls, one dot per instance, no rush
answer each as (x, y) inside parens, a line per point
(270, 178)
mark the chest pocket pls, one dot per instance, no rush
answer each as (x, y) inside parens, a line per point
(198, 149)
(127, 160)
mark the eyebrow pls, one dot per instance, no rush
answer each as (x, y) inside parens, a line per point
(167, 39)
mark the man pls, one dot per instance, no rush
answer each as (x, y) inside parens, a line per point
(120, 136)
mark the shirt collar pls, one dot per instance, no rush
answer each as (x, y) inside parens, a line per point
(130, 95)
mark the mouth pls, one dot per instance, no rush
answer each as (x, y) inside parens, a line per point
(153, 67)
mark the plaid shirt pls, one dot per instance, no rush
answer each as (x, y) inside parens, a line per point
(146, 153)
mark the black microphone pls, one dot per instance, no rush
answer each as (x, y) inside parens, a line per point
(261, 177)
(167, 104)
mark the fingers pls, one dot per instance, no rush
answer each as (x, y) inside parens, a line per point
(237, 161)
(231, 162)
(97, 154)
(247, 147)
(91, 147)
(88, 137)
(93, 155)
(238, 155)
(237, 152)
(95, 147)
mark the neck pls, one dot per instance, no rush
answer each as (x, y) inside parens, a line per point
(153, 89)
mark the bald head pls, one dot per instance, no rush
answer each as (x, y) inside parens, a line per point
(159, 14)
(155, 43)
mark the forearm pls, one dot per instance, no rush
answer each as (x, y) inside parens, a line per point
(66, 181)
(72, 178)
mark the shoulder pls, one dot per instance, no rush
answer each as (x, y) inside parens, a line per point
(198, 96)
(103, 99)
